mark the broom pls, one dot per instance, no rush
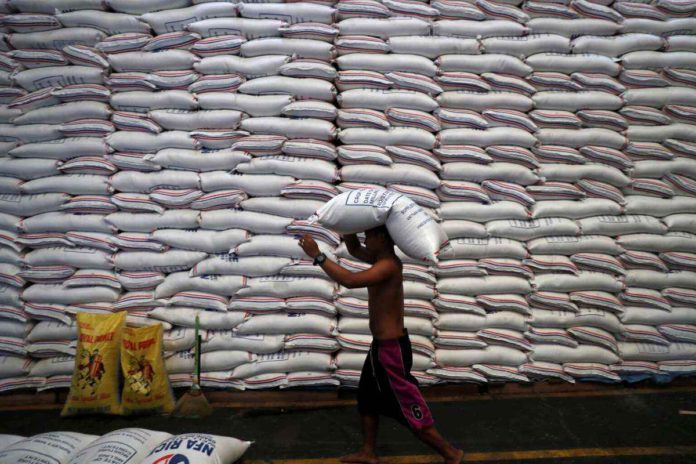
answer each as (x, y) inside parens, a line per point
(194, 405)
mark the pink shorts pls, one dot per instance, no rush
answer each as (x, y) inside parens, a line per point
(387, 386)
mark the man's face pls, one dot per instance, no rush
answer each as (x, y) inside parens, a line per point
(374, 240)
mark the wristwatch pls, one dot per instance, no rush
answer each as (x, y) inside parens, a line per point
(321, 257)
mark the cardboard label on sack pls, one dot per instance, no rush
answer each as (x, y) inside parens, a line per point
(146, 387)
(94, 388)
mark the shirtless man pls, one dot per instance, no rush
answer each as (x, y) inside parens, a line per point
(386, 384)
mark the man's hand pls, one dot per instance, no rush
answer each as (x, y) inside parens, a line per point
(309, 245)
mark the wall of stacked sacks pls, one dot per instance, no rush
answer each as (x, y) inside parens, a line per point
(160, 157)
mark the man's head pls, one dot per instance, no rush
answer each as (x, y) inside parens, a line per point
(378, 240)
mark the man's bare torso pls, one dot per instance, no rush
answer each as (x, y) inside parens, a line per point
(386, 304)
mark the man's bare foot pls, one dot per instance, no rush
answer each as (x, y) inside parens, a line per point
(361, 457)
(456, 458)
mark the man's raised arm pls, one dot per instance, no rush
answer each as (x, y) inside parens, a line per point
(379, 272)
(356, 249)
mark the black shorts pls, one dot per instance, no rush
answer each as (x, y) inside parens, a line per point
(387, 386)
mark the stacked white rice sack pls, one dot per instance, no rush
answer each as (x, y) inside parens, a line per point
(159, 157)
(154, 162)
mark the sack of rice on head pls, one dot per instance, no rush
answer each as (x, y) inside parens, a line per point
(413, 230)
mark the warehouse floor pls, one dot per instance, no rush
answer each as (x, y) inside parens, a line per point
(618, 425)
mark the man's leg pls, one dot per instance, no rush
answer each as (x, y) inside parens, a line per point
(367, 455)
(431, 437)
(368, 407)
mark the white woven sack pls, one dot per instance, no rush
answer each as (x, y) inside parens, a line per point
(183, 362)
(60, 446)
(528, 230)
(575, 209)
(258, 223)
(573, 27)
(384, 28)
(499, 355)
(202, 240)
(254, 105)
(290, 323)
(142, 102)
(479, 29)
(192, 120)
(617, 45)
(182, 281)
(74, 184)
(176, 19)
(276, 245)
(59, 76)
(286, 361)
(29, 168)
(395, 136)
(431, 46)
(252, 266)
(522, 47)
(296, 166)
(300, 13)
(466, 322)
(381, 100)
(657, 353)
(288, 287)
(582, 281)
(79, 257)
(168, 261)
(64, 113)
(303, 48)
(482, 213)
(411, 228)
(303, 128)
(562, 354)
(309, 88)
(127, 141)
(247, 28)
(480, 101)
(255, 185)
(66, 222)
(58, 294)
(659, 97)
(195, 160)
(120, 446)
(402, 173)
(30, 205)
(487, 285)
(228, 340)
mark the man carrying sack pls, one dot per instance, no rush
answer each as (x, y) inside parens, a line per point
(386, 384)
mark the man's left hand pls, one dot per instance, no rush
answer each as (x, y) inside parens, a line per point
(309, 245)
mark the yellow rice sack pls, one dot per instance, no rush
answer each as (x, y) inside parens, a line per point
(94, 388)
(146, 387)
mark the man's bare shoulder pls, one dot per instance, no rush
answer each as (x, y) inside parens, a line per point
(391, 264)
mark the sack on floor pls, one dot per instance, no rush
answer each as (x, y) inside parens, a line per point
(124, 446)
(413, 230)
(94, 387)
(146, 387)
(197, 448)
(53, 447)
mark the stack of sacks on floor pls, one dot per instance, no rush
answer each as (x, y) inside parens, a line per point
(155, 162)
(159, 157)
(131, 445)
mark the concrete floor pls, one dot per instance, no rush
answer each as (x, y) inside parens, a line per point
(630, 427)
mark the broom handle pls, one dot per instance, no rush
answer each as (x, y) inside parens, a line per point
(197, 361)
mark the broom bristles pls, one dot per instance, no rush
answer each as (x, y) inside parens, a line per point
(193, 405)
